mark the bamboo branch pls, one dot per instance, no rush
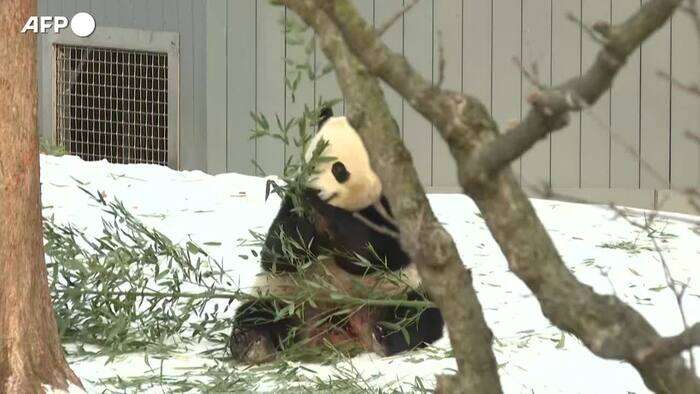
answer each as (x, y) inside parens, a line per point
(337, 298)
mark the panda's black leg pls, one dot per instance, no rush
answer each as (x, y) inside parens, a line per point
(256, 337)
(420, 326)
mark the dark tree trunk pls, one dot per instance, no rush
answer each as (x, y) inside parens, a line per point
(30, 352)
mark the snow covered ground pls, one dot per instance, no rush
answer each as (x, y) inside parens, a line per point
(218, 212)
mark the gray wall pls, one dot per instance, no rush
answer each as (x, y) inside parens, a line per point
(187, 17)
(629, 147)
(234, 64)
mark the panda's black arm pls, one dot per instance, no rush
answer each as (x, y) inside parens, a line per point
(279, 254)
(386, 248)
(352, 236)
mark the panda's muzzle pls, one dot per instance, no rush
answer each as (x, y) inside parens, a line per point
(331, 197)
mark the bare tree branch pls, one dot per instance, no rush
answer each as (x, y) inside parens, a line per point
(591, 31)
(692, 88)
(387, 25)
(550, 108)
(448, 282)
(531, 77)
(678, 288)
(693, 9)
(606, 325)
(427, 99)
(693, 137)
(671, 346)
(441, 60)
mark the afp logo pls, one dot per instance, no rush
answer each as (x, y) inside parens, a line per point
(82, 24)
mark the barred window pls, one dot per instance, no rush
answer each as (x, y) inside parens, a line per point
(112, 104)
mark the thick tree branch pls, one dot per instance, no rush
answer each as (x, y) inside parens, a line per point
(422, 237)
(693, 9)
(678, 288)
(462, 120)
(551, 107)
(671, 346)
(606, 325)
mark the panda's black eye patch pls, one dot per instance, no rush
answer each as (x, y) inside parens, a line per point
(340, 173)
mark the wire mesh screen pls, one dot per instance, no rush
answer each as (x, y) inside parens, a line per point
(112, 104)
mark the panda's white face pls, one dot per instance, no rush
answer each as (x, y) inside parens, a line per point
(347, 181)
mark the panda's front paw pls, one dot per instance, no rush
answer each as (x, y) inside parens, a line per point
(251, 346)
(384, 341)
(390, 341)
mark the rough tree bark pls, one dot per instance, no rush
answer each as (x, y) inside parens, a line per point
(606, 325)
(30, 352)
(422, 237)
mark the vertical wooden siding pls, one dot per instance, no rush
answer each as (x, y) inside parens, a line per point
(595, 141)
(232, 62)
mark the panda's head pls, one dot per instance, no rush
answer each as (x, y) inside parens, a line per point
(347, 181)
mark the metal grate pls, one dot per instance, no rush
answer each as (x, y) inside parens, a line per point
(112, 104)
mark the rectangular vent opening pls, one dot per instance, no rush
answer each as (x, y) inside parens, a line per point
(112, 104)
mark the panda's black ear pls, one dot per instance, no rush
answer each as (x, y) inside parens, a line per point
(326, 113)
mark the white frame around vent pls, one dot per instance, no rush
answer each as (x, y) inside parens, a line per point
(133, 40)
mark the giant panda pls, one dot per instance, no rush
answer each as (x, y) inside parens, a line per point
(330, 222)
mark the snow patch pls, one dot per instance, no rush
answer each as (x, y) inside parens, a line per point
(218, 212)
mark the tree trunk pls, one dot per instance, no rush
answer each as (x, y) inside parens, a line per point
(30, 352)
